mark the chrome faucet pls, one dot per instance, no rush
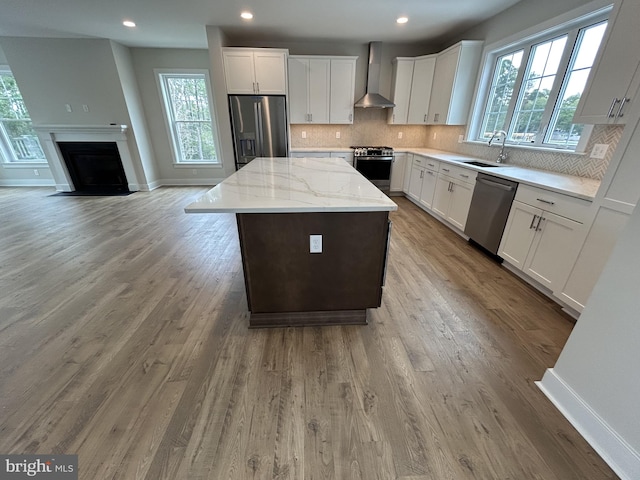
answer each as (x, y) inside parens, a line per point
(501, 156)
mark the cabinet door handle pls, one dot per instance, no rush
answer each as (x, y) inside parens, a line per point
(548, 202)
(538, 224)
(532, 221)
(421, 173)
(351, 117)
(425, 118)
(620, 113)
(311, 117)
(430, 173)
(257, 87)
(613, 105)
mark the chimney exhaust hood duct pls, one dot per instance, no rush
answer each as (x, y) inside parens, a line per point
(372, 98)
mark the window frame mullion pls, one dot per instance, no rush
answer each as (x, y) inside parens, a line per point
(517, 87)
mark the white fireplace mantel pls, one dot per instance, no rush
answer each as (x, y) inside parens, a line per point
(51, 134)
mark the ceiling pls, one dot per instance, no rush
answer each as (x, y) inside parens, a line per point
(181, 23)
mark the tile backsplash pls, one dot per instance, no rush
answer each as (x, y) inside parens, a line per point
(370, 128)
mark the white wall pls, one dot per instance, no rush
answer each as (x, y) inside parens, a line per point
(520, 17)
(145, 60)
(139, 137)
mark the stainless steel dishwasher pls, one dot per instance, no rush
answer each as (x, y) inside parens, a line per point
(490, 205)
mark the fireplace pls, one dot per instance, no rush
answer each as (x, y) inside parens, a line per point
(94, 167)
(77, 174)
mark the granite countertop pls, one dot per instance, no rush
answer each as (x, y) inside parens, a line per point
(287, 185)
(579, 187)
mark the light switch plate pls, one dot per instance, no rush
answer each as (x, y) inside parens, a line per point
(460, 138)
(337, 134)
(599, 150)
(399, 134)
(315, 243)
(304, 134)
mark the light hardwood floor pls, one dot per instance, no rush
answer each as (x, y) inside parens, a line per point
(123, 338)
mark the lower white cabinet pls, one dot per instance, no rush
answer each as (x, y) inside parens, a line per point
(540, 243)
(452, 196)
(397, 172)
(594, 254)
(422, 183)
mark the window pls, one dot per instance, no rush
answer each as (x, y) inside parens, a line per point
(534, 86)
(189, 116)
(18, 141)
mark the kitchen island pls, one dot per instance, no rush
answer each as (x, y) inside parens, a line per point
(285, 209)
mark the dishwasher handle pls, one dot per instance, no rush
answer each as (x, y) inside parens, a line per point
(508, 188)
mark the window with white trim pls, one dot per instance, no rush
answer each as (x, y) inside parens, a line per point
(535, 85)
(189, 116)
(18, 141)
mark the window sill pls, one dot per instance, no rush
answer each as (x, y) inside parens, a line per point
(24, 164)
(528, 147)
(197, 165)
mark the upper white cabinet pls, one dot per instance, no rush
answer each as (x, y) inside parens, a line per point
(255, 71)
(423, 69)
(321, 89)
(343, 88)
(309, 82)
(453, 83)
(411, 90)
(614, 79)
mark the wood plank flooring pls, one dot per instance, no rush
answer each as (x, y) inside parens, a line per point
(124, 339)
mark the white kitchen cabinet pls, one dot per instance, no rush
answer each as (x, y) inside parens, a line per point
(400, 90)
(613, 83)
(541, 239)
(411, 89)
(453, 83)
(421, 84)
(453, 192)
(321, 89)
(342, 91)
(415, 181)
(594, 254)
(397, 172)
(255, 71)
(407, 173)
(309, 83)
(422, 183)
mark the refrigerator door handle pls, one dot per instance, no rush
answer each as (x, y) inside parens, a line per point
(259, 130)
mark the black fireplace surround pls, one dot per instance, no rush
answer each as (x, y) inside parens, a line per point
(94, 167)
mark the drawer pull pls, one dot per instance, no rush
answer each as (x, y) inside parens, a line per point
(545, 201)
(445, 169)
(464, 176)
(431, 165)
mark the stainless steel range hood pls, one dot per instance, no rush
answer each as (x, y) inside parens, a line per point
(373, 99)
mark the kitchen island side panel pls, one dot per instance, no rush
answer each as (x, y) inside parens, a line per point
(281, 275)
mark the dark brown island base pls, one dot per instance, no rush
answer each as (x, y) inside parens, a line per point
(313, 236)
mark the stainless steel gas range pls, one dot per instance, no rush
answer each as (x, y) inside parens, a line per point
(374, 163)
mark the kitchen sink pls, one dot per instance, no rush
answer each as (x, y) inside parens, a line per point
(482, 164)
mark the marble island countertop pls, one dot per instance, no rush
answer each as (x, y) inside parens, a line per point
(287, 185)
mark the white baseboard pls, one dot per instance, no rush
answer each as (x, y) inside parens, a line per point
(614, 450)
(27, 182)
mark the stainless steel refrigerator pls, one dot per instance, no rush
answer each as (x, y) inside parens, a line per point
(259, 124)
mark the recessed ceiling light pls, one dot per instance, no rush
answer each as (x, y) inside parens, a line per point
(247, 15)
(129, 23)
(402, 20)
